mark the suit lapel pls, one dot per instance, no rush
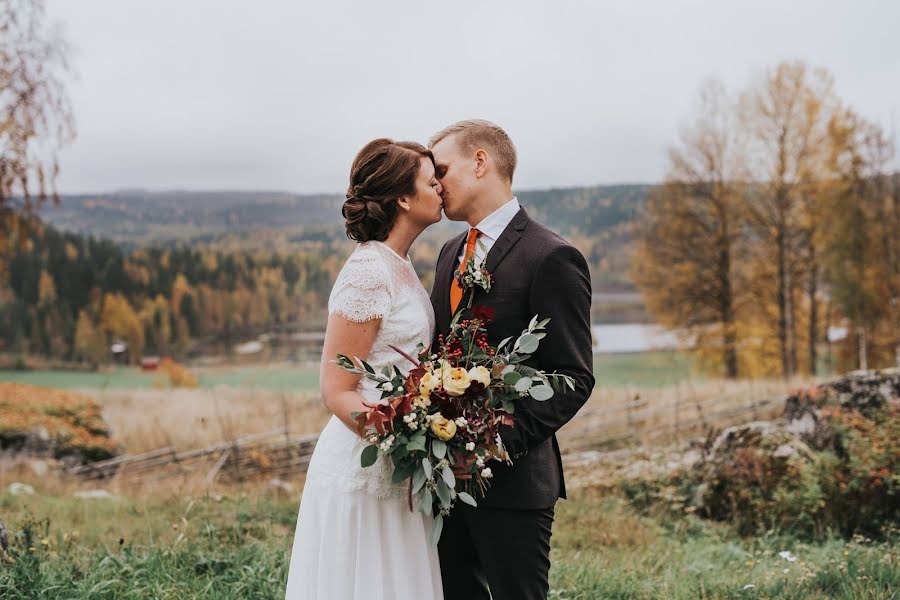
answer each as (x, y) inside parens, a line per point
(510, 236)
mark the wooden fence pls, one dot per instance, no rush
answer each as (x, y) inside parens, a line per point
(611, 419)
(275, 453)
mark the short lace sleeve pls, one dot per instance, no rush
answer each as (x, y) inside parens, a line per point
(362, 290)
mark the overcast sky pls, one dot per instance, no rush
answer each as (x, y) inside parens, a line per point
(199, 94)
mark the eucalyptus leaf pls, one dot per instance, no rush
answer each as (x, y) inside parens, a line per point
(511, 378)
(468, 499)
(443, 493)
(369, 456)
(439, 449)
(449, 478)
(541, 392)
(508, 369)
(403, 472)
(419, 480)
(436, 528)
(425, 500)
(426, 465)
(528, 343)
(416, 443)
(504, 342)
(543, 323)
(523, 384)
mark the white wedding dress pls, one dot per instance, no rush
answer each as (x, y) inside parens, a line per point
(356, 538)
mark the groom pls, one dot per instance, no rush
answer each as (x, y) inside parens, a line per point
(501, 549)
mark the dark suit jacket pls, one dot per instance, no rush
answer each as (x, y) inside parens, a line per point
(536, 272)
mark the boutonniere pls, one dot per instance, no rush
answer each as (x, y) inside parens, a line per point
(472, 275)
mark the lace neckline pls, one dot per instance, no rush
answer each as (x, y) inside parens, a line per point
(394, 252)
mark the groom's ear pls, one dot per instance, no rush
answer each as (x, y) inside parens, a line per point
(481, 160)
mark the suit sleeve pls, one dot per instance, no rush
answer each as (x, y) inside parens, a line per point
(561, 290)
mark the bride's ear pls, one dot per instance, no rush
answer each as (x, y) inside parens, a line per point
(404, 203)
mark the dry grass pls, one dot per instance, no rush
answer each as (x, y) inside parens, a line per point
(627, 416)
(146, 419)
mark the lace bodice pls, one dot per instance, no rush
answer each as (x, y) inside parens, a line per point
(375, 282)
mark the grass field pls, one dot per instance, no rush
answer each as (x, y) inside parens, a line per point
(236, 544)
(647, 369)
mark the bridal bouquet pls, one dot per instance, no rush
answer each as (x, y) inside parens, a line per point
(440, 423)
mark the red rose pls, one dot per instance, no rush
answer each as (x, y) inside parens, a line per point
(482, 313)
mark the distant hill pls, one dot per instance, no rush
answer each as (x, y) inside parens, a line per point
(136, 216)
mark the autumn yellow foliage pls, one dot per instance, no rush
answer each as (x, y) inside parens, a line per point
(73, 421)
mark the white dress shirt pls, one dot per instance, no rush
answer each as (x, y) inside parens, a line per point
(491, 227)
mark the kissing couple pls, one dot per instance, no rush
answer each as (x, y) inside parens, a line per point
(357, 537)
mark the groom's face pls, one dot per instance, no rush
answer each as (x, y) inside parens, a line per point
(457, 174)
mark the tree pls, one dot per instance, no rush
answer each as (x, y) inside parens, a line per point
(864, 251)
(119, 320)
(35, 117)
(90, 342)
(688, 232)
(786, 121)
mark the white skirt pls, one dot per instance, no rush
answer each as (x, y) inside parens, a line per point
(356, 538)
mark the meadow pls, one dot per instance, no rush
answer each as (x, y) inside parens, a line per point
(173, 538)
(235, 543)
(640, 368)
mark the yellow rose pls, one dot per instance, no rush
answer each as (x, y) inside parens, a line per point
(429, 382)
(456, 381)
(443, 428)
(481, 375)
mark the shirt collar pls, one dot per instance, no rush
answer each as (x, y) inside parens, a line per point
(494, 224)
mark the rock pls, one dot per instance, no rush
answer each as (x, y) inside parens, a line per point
(40, 432)
(17, 489)
(785, 451)
(93, 494)
(804, 426)
(280, 487)
(38, 467)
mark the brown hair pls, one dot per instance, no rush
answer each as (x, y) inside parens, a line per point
(473, 134)
(383, 171)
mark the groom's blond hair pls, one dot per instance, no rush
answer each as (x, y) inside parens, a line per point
(473, 134)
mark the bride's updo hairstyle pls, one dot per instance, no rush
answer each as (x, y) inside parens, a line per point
(382, 172)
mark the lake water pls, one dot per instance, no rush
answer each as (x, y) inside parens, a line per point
(632, 337)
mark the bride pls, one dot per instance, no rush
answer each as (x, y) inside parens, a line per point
(356, 537)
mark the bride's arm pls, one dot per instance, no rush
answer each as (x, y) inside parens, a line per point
(337, 386)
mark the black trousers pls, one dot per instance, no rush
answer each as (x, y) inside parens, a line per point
(494, 553)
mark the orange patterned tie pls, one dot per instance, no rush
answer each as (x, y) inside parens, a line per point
(456, 292)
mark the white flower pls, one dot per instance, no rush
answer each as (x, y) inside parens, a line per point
(387, 443)
(480, 462)
(786, 555)
(470, 446)
(461, 422)
(387, 386)
(486, 473)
